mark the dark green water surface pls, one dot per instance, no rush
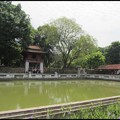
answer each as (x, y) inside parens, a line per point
(26, 94)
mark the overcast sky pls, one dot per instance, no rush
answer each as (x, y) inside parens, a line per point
(101, 19)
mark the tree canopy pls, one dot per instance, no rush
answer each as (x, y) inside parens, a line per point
(64, 41)
(15, 32)
(87, 45)
(68, 33)
(45, 37)
(94, 60)
(113, 53)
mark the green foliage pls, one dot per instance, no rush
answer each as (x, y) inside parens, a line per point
(57, 62)
(100, 112)
(15, 32)
(49, 32)
(68, 33)
(59, 40)
(102, 50)
(94, 60)
(46, 37)
(113, 53)
(65, 43)
(87, 45)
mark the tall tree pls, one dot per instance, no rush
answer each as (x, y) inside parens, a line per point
(113, 53)
(68, 34)
(94, 60)
(15, 29)
(64, 42)
(46, 37)
(84, 46)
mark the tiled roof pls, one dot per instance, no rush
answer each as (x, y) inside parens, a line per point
(110, 67)
(35, 51)
(34, 47)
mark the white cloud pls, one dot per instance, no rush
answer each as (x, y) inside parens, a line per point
(101, 19)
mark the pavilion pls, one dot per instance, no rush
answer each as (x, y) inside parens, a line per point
(34, 54)
(109, 69)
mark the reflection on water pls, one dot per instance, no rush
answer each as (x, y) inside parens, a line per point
(40, 89)
(24, 94)
(18, 106)
(26, 90)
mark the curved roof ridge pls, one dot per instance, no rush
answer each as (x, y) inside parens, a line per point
(110, 66)
(34, 47)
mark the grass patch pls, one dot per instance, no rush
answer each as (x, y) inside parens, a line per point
(100, 112)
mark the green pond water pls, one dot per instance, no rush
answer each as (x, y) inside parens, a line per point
(25, 94)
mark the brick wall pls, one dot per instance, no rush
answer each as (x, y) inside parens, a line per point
(11, 70)
(46, 70)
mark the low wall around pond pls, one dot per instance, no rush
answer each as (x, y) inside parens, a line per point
(57, 76)
(55, 111)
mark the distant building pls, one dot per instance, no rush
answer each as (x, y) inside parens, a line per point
(34, 54)
(108, 69)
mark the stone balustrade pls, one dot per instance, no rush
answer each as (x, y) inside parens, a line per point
(56, 76)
